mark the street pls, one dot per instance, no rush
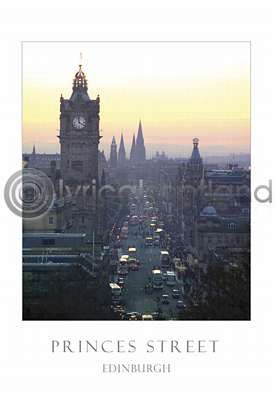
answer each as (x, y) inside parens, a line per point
(136, 298)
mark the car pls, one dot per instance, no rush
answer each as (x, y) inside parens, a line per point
(147, 317)
(132, 316)
(175, 293)
(155, 315)
(121, 282)
(165, 299)
(180, 304)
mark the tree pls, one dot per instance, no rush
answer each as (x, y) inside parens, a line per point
(69, 295)
(227, 293)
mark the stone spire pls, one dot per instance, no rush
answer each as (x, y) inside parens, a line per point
(122, 151)
(33, 153)
(132, 151)
(140, 146)
(195, 154)
(113, 154)
(194, 168)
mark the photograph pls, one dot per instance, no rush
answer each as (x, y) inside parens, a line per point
(136, 181)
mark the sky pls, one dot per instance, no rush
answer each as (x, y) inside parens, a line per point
(179, 91)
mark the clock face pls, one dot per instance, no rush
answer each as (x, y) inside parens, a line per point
(79, 122)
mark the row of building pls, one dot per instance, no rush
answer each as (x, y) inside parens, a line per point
(207, 208)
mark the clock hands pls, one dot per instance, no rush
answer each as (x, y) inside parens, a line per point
(81, 121)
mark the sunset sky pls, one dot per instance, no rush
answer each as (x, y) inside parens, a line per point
(179, 90)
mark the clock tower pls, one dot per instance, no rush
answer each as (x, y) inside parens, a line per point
(79, 140)
(79, 133)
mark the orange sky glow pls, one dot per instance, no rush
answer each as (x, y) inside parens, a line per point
(179, 90)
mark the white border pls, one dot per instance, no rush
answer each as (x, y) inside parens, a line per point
(243, 364)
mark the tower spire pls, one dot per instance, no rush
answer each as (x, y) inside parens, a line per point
(195, 153)
(133, 150)
(140, 146)
(140, 137)
(122, 151)
(194, 170)
(80, 80)
(113, 153)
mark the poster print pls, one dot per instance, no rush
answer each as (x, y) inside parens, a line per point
(136, 181)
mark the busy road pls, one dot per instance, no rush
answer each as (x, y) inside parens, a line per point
(138, 295)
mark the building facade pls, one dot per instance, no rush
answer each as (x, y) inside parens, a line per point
(79, 140)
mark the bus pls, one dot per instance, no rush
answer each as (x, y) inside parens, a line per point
(156, 239)
(159, 232)
(157, 279)
(164, 259)
(123, 265)
(133, 264)
(115, 289)
(148, 241)
(170, 278)
(132, 251)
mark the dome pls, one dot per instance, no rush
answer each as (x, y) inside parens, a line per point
(80, 79)
(80, 74)
(208, 211)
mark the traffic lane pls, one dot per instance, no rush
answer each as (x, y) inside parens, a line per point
(169, 310)
(141, 300)
(135, 297)
(134, 294)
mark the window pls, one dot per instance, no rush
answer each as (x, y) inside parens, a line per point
(51, 220)
(232, 226)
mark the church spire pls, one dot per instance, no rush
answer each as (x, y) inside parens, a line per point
(140, 146)
(132, 151)
(122, 151)
(33, 153)
(140, 137)
(113, 153)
